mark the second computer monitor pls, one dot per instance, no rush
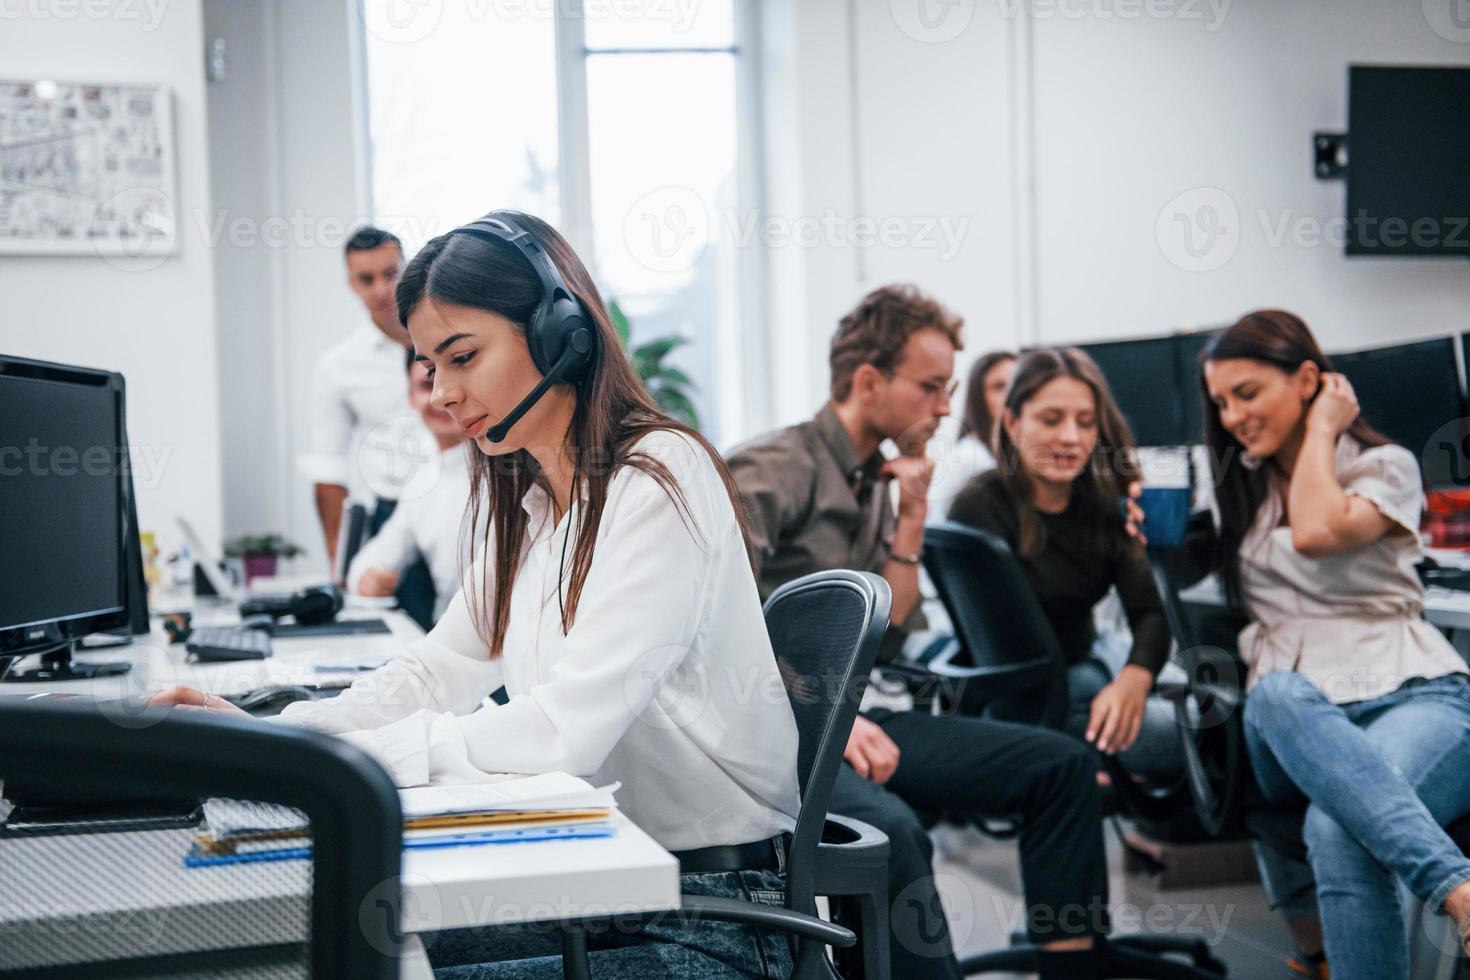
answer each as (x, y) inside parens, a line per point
(1411, 394)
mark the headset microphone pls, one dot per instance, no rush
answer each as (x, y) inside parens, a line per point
(577, 347)
(561, 334)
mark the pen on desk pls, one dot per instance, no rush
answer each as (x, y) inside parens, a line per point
(333, 668)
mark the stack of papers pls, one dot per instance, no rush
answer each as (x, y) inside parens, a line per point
(514, 809)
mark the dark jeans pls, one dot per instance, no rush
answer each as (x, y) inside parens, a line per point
(981, 768)
(655, 951)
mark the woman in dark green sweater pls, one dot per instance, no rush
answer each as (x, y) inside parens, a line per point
(1064, 462)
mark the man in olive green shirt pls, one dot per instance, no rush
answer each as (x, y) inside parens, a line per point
(818, 496)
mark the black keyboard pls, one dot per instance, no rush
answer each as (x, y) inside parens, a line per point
(228, 643)
(40, 820)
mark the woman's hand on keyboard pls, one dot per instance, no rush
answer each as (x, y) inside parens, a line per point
(192, 699)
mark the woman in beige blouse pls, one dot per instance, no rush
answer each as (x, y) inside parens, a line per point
(1356, 703)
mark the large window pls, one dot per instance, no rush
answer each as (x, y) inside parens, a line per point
(616, 121)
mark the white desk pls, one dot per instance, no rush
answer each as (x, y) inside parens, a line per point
(158, 664)
(76, 898)
(70, 899)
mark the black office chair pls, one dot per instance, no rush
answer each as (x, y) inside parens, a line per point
(825, 629)
(1008, 665)
(122, 905)
(1221, 784)
(354, 532)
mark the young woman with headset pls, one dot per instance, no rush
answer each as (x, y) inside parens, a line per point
(611, 594)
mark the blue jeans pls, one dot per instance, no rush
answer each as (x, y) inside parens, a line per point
(660, 950)
(1382, 778)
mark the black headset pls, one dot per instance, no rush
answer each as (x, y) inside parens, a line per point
(561, 335)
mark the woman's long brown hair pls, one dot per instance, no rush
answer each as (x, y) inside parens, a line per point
(1103, 483)
(1282, 341)
(613, 412)
(977, 419)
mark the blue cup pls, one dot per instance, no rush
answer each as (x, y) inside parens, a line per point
(1165, 515)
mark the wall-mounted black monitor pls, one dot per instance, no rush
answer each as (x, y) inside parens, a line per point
(1408, 172)
(1410, 393)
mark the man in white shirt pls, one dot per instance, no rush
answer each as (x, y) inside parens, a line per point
(424, 527)
(363, 441)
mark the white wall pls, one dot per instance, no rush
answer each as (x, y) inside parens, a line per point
(286, 122)
(244, 183)
(1129, 115)
(1102, 122)
(155, 326)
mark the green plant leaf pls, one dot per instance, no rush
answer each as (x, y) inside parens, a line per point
(675, 403)
(261, 544)
(619, 321)
(647, 360)
(670, 375)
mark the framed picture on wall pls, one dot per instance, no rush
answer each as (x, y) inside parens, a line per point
(86, 169)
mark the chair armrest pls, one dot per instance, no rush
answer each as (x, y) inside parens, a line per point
(721, 909)
(852, 858)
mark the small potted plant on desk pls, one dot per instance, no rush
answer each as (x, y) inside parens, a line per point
(259, 553)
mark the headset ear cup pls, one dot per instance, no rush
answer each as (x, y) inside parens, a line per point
(536, 337)
(571, 326)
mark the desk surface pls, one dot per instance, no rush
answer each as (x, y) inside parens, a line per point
(158, 664)
(70, 899)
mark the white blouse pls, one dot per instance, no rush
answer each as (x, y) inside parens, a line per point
(427, 526)
(360, 418)
(954, 467)
(666, 682)
(1351, 622)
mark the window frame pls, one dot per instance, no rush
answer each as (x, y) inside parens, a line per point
(755, 406)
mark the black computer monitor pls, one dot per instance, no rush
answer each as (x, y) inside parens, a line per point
(1143, 376)
(70, 562)
(1408, 174)
(1189, 348)
(1410, 393)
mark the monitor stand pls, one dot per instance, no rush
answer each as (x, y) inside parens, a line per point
(57, 665)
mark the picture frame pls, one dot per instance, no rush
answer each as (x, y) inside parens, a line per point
(87, 168)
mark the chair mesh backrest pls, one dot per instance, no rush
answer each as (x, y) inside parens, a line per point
(815, 633)
(131, 903)
(825, 630)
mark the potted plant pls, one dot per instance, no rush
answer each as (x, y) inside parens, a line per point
(259, 553)
(669, 386)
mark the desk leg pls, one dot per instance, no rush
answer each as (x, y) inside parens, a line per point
(574, 952)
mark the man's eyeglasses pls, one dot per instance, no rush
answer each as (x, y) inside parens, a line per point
(933, 389)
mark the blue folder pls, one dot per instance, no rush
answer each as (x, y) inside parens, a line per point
(521, 835)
